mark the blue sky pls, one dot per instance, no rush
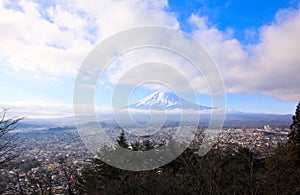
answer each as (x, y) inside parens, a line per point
(43, 43)
(241, 16)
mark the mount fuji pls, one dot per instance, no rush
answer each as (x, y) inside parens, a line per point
(165, 100)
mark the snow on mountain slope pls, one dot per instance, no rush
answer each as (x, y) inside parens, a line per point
(165, 100)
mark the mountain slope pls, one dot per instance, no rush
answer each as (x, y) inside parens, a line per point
(165, 100)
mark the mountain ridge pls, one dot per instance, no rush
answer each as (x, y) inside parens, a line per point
(165, 100)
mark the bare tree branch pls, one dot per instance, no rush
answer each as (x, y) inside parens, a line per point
(7, 139)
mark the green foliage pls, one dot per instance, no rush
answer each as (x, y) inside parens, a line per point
(282, 171)
(220, 171)
(294, 135)
(233, 170)
(144, 146)
(122, 140)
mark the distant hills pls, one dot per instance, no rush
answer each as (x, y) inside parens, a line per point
(61, 128)
(160, 101)
(240, 120)
(257, 120)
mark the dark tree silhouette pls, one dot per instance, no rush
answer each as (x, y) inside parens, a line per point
(122, 140)
(294, 135)
(147, 145)
(7, 141)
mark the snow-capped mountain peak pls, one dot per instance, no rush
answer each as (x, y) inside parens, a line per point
(160, 100)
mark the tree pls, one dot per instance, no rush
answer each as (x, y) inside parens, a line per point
(147, 145)
(122, 140)
(282, 172)
(144, 146)
(294, 135)
(7, 140)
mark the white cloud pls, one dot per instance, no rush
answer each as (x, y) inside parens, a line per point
(154, 64)
(58, 45)
(32, 43)
(114, 16)
(270, 67)
(278, 57)
(37, 108)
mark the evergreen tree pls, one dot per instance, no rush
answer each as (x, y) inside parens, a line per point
(122, 140)
(136, 146)
(294, 135)
(147, 145)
